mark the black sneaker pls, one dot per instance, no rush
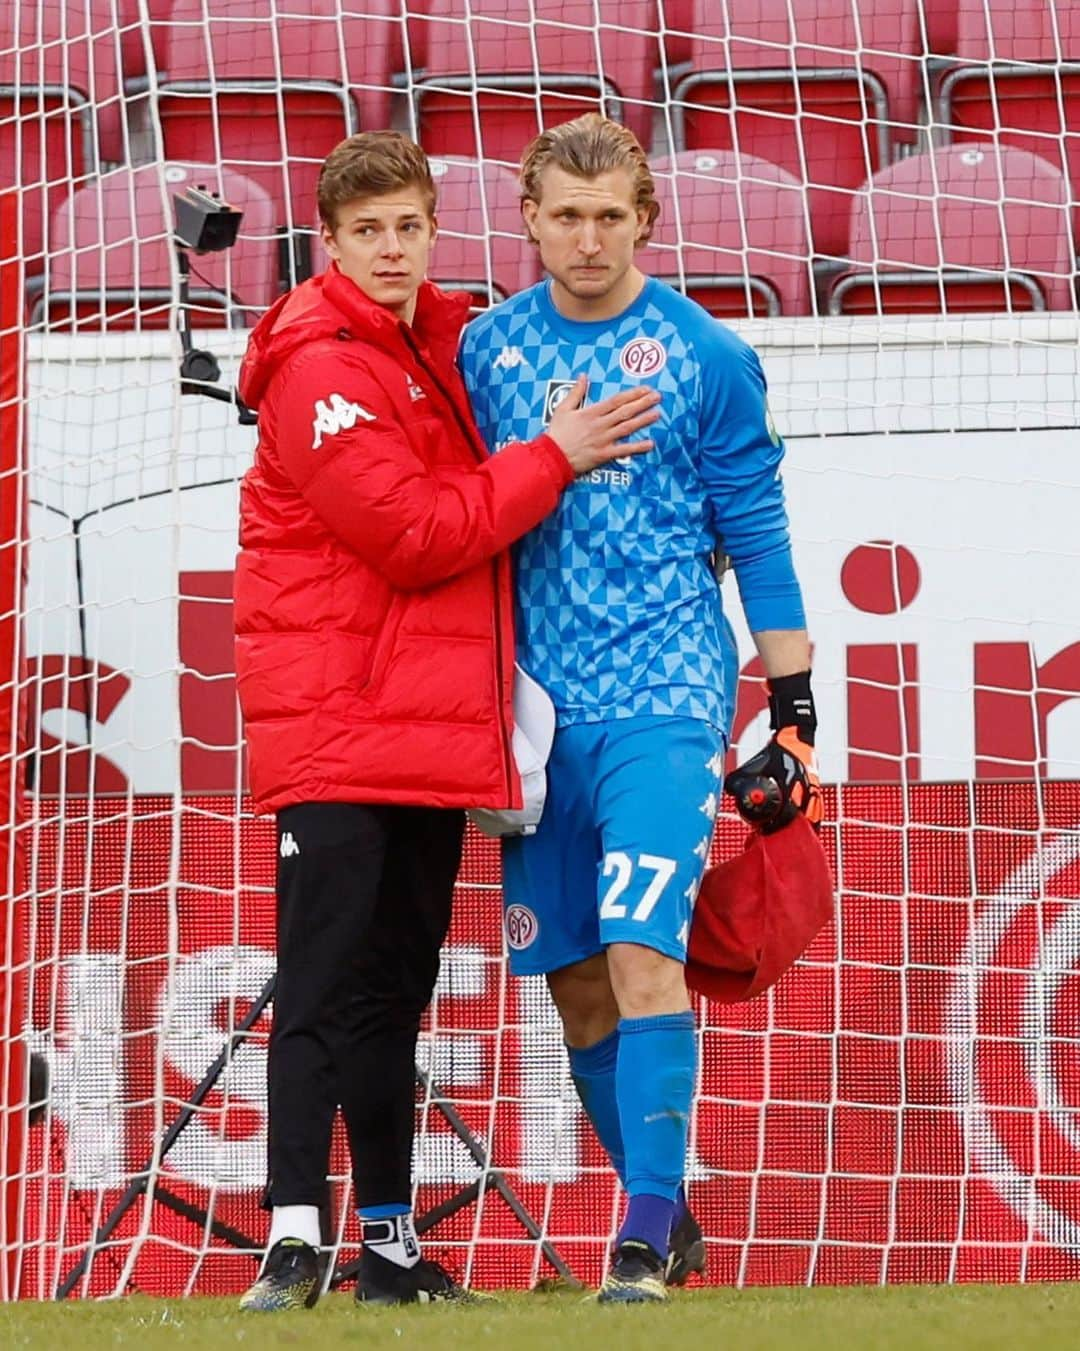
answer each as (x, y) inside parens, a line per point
(636, 1276)
(686, 1251)
(383, 1282)
(290, 1279)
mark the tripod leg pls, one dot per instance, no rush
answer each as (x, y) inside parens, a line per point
(142, 1179)
(472, 1192)
(493, 1178)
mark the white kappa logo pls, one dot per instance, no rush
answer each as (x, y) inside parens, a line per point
(289, 847)
(508, 357)
(334, 415)
(522, 927)
(643, 356)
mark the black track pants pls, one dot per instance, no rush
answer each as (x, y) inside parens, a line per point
(363, 906)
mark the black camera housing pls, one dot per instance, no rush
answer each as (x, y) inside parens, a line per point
(204, 223)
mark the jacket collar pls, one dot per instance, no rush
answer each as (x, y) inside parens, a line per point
(436, 327)
(332, 306)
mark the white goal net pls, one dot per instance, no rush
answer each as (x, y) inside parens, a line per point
(882, 196)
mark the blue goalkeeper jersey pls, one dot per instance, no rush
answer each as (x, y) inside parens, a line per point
(618, 610)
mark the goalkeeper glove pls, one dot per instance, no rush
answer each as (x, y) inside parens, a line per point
(782, 780)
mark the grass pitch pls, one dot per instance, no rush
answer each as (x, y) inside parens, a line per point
(953, 1318)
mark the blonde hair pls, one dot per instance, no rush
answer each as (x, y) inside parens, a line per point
(588, 147)
(369, 164)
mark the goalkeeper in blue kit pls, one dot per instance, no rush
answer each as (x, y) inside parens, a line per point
(620, 620)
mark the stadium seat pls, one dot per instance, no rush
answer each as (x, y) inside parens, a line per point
(1019, 81)
(60, 112)
(497, 54)
(138, 40)
(964, 229)
(821, 94)
(940, 19)
(110, 265)
(415, 55)
(678, 23)
(738, 227)
(474, 201)
(481, 247)
(270, 90)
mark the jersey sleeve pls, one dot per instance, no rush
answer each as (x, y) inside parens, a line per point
(741, 456)
(369, 487)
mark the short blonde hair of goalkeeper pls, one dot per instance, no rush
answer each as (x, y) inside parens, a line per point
(587, 147)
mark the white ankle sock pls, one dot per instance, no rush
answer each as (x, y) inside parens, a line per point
(392, 1237)
(295, 1222)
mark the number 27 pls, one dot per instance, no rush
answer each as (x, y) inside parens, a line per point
(663, 870)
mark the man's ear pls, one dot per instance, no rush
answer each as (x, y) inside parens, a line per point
(644, 229)
(328, 241)
(529, 212)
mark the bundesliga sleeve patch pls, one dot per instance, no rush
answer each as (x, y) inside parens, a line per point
(557, 390)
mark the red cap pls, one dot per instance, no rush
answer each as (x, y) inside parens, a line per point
(757, 913)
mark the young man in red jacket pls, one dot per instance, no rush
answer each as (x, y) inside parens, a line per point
(374, 659)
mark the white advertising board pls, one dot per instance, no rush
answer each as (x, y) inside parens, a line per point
(953, 654)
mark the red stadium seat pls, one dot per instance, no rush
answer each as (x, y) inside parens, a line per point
(824, 94)
(60, 110)
(940, 18)
(269, 89)
(481, 247)
(481, 233)
(1020, 81)
(678, 16)
(737, 226)
(964, 229)
(480, 78)
(415, 54)
(111, 266)
(151, 36)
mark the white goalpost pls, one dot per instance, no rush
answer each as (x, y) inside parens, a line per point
(882, 197)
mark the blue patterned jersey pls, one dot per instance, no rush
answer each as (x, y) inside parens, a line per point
(619, 613)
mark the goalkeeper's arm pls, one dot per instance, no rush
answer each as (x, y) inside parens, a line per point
(788, 758)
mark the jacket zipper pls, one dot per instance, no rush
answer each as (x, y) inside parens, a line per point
(504, 740)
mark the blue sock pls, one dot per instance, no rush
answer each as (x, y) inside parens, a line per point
(681, 1205)
(655, 1085)
(384, 1212)
(592, 1069)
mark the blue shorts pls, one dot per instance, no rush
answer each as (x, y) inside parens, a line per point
(620, 849)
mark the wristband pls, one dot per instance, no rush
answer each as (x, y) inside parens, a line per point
(791, 704)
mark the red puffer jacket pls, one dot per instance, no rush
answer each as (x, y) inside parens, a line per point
(374, 620)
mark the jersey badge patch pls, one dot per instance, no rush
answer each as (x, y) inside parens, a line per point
(643, 357)
(770, 427)
(522, 927)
